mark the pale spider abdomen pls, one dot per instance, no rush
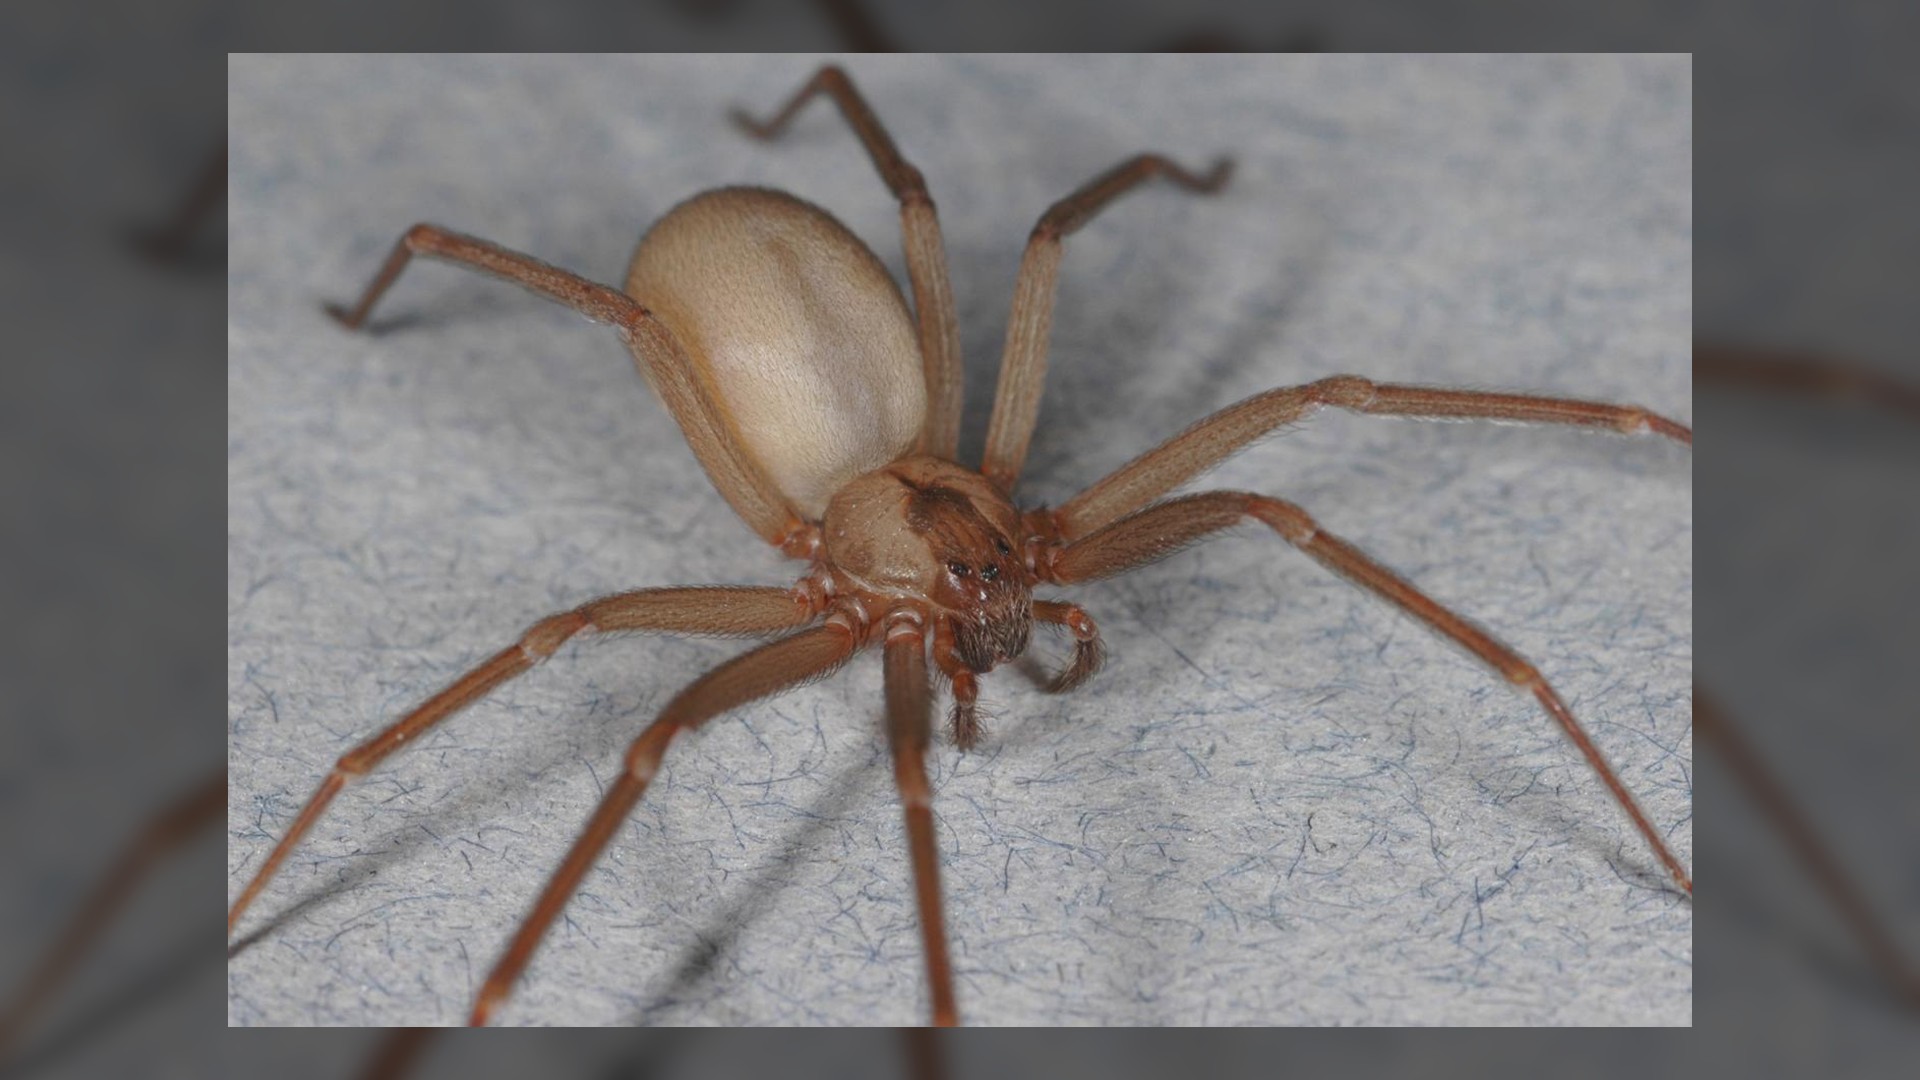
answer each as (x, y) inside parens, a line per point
(797, 331)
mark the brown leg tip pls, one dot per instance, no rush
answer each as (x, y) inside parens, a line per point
(748, 125)
(1677, 432)
(342, 316)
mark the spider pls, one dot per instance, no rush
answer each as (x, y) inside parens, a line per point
(973, 643)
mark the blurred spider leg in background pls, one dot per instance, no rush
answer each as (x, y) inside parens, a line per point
(1787, 819)
(168, 243)
(187, 817)
(1802, 374)
(398, 1054)
(859, 31)
(402, 1053)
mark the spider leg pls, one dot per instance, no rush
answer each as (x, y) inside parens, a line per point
(178, 822)
(1215, 438)
(1166, 527)
(397, 1054)
(920, 235)
(1815, 856)
(926, 1057)
(167, 243)
(773, 667)
(1023, 361)
(909, 731)
(1802, 374)
(659, 356)
(719, 610)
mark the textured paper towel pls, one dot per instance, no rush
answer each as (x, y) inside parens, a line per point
(1283, 803)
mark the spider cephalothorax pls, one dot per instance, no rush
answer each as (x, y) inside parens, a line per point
(941, 540)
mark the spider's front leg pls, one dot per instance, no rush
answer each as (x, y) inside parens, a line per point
(1230, 430)
(1166, 527)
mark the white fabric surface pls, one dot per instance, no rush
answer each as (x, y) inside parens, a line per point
(1282, 803)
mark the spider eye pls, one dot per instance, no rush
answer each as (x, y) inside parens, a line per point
(990, 572)
(958, 569)
(1005, 549)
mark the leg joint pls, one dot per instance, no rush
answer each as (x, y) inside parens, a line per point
(1053, 225)
(643, 758)
(910, 186)
(802, 540)
(1634, 420)
(1076, 619)
(906, 622)
(1291, 522)
(1520, 673)
(1043, 542)
(832, 77)
(815, 591)
(550, 633)
(423, 237)
(850, 615)
(1345, 391)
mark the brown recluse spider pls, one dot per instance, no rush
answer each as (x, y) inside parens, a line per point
(851, 469)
